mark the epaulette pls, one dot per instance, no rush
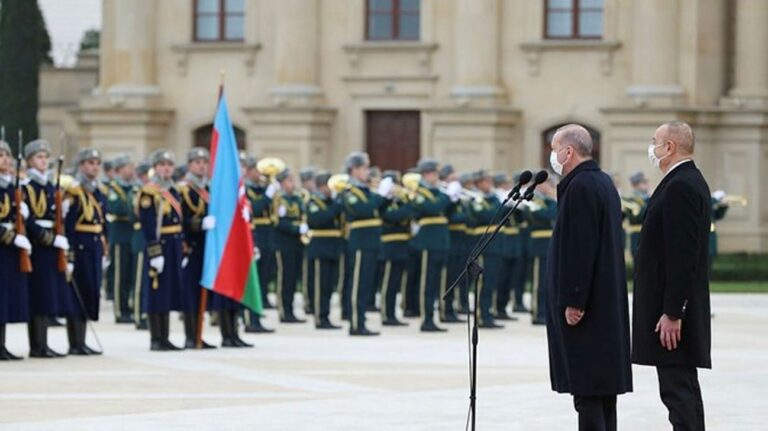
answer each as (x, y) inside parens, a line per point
(104, 188)
(149, 190)
(74, 188)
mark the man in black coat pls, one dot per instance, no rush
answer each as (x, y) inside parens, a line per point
(588, 311)
(671, 317)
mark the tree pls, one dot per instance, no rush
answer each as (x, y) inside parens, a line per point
(90, 40)
(24, 47)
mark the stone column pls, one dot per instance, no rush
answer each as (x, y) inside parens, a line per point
(296, 50)
(477, 53)
(751, 77)
(128, 48)
(655, 72)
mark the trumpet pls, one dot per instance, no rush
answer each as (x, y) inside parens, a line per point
(338, 183)
(734, 199)
(270, 167)
(411, 181)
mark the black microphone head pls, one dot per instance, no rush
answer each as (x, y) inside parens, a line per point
(541, 176)
(525, 177)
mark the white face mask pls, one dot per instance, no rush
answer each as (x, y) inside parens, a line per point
(655, 161)
(556, 165)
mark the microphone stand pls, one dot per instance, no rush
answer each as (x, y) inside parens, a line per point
(470, 274)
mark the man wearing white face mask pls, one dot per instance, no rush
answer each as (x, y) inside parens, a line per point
(586, 289)
(671, 318)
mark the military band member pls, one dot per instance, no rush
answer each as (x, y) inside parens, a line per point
(458, 250)
(260, 197)
(142, 172)
(432, 239)
(324, 249)
(160, 214)
(521, 278)
(410, 296)
(482, 214)
(541, 214)
(121, 275)
(307, 177)
(14, 300)
(719, 209)
(512, 259)
(84, 224)
(634, 206)
(49, 293)
(288, 217)
(362, 210)
(395, 249)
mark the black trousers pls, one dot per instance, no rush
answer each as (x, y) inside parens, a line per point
(288, 272)
(394, 275)
(596, 413)
(322, 280)
(680, 392)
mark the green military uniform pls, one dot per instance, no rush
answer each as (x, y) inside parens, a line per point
(288, 212)
(634, 207)
(430, 207)
(482, 215)
(395, 234)
(458, 253)
(511, 265)
(322, 254)
(541, 217)
(121, 275)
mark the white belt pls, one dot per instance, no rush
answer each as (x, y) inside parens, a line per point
(8, 226)
(45, 224)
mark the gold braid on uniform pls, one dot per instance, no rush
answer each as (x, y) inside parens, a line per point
(198, 210)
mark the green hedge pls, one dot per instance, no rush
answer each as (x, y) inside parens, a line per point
(733, 267)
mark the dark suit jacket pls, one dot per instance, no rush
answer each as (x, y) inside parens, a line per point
(585, 269)
(671, 271)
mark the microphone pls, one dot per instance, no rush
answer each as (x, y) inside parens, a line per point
(540, 177)
(525, 178)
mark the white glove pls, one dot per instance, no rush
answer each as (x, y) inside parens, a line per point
(303, 228)
(209, 222)
(70, 268)
(256, 253)
(184, 262)
(281, 211)
(718, 195)
(105, 262)
(22, 242)
(532, 206)
(415, 229)
(158, 263)
(334, 195)
(61, 242)
(385, 187)
(64, 208)
(454, 191)
(272, 189)
(24, 210)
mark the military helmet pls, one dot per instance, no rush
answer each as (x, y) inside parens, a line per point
(198, 153)
(480, 175)
(307, 174)
(36, 146)
(162, 155)
(143, 167)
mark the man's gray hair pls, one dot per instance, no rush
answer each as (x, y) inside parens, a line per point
(577, 137)
(681, 134)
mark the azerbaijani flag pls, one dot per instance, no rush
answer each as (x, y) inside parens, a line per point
(228, 266)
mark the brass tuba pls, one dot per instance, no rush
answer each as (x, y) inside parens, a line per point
(338, 182)
(270, 167)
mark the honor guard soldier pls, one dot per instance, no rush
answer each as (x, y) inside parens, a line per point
(634, 207)
(260, 197)
(160, 214)
(362, 210)
(84, 224)
(49, 293)
(512, 257)
(482, 213)
(432, 239)
(324, 249)
(395, 236)
(14, 305)
(458, 251)
(541, 214)
(121, 214)
(288, 217)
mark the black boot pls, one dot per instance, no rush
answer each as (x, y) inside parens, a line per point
(38, 339)
(155, 329)
(165, 324)
(82, 331)
(226, 327)
(73, 335)
(190, 330)
(5, 355)
(234, 329)
(256, 327)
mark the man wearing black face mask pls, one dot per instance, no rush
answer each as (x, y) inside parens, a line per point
(671, 318)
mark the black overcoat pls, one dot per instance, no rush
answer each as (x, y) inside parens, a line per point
(586, 270)
(671, 271)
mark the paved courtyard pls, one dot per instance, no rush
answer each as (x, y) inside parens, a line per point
(302, 379)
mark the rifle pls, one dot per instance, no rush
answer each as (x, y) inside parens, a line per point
(25, 264)
(58, 222)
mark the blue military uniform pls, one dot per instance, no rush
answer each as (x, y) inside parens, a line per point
(121, 274)
(541, 216)
(14, 305)
(288, 213)
(395, 249)
(160, 214)
(49, 293)
(482, 214)
(322, 253)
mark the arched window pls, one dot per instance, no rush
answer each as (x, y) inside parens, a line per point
(219, 20)
(546, 140)
(203, 137)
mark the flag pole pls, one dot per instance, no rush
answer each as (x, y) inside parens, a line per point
(204, 291)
